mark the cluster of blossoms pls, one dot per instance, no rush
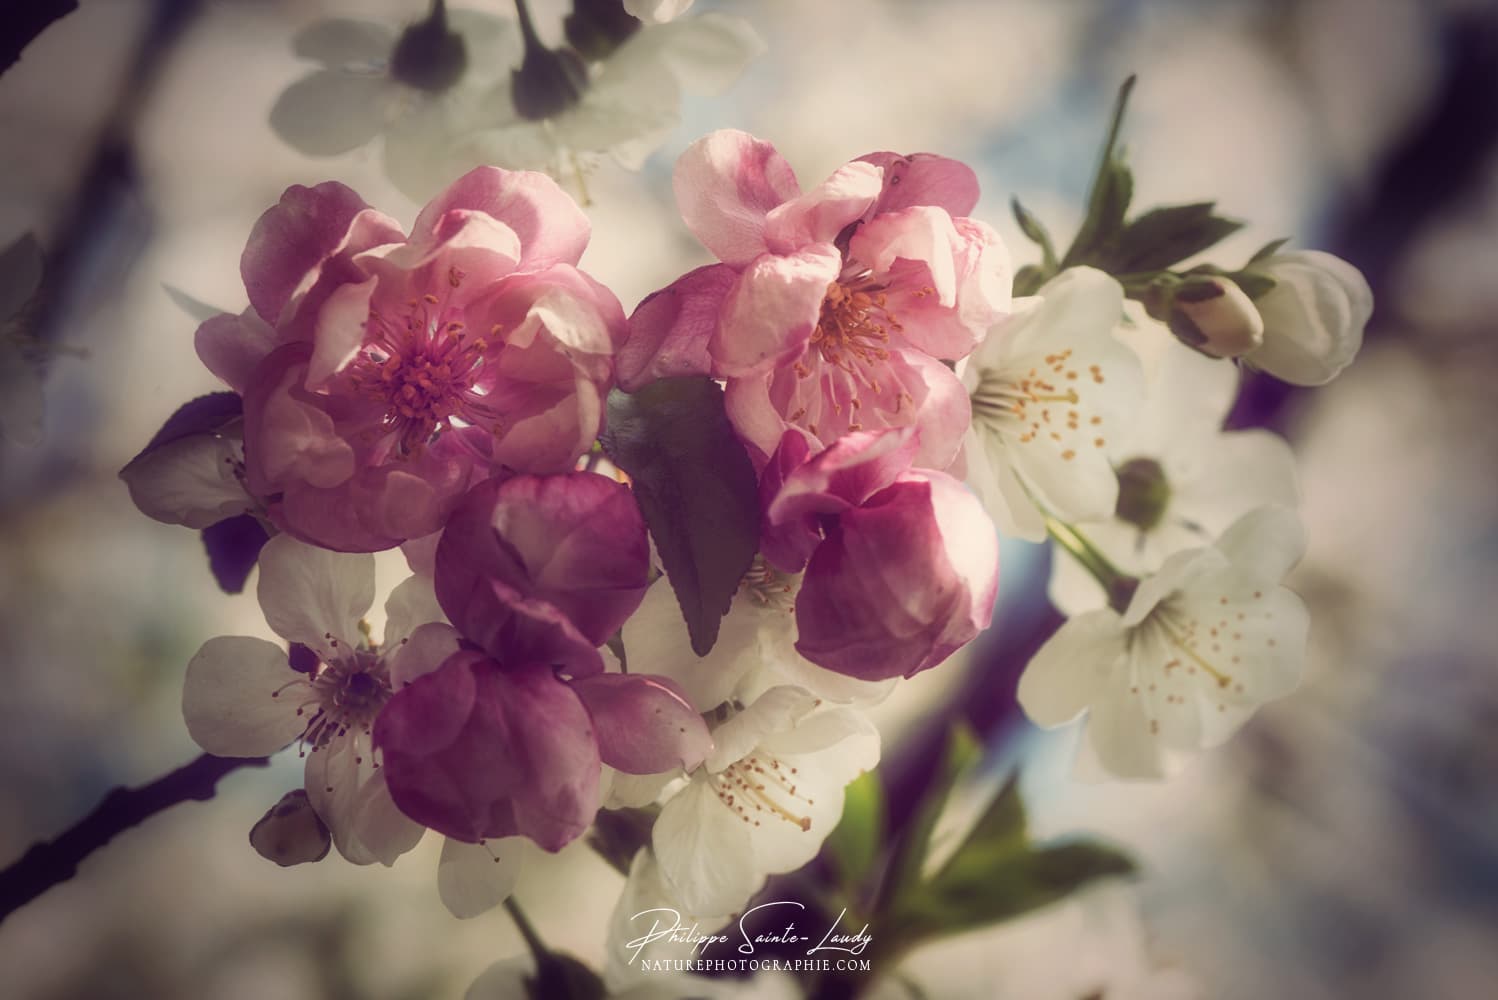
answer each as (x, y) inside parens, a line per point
(444, 391)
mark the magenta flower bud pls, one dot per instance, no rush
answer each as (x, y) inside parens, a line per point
(544, 568)
(901, 565)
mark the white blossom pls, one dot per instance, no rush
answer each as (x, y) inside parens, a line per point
(1313, 317)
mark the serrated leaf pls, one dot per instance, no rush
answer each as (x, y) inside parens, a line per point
(1111, 191)
(854, 843)
(697, 489)
(1164, 236)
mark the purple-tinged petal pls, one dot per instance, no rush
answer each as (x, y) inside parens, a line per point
(233, 546)
(670, 330)
(340, 330)
(770, 314)
(924, 179)
(843, 476)
(551, 227)
(203, 415)
(231, 346)
(475, 750)
(645, 724)
(726, 183)
(901, 583)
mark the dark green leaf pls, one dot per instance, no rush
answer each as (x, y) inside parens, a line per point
(985, 887)
(1028, 280)
(696, 487)
(962, 753)
(1267, 250)
(1164, 236)
(1112, 189)
(1254, 284)
(618, 834)
(1032, 228)
(854, 843)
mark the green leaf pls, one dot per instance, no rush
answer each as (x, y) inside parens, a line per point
(696, 487)
(1267, 250)
(1254, 284)
(1002, 824)
(963, 752)
(854, 843)
(983, 887)
(1164, 236)
(1112, 189)
(1032, 228)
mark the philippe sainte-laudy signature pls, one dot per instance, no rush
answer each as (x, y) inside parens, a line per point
(666, 925)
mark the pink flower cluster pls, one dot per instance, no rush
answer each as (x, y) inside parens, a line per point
(396, 386)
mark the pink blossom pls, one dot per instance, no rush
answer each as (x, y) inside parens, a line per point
(544, 568)
(479, 750)
(901, 565)
(383, 374)
(831, 310)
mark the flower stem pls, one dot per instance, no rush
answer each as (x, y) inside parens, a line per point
(48, 863)
(527, 26)
(1118, 585)
(527, 930)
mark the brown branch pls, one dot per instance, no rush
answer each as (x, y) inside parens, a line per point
(53, 861)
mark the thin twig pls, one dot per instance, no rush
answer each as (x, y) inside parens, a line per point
(48, 863)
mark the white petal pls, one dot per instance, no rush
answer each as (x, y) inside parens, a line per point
(776, 710)
(329, 112)
(794, 800)
(422, 652)
(1118, 734)
(1179, 572)
(644, 910)
(1229, 475)
(618, 790)
(1072, 589)
(190, 481)
(474, 878)
(655, 642)
(780, 664)
(507, 979)
(381, 828)
(1188, 394)
(845, 736)
(231, 702)
(335, 776)
(1264, 544)
(701, 847)
(708, 53)
(1072, 668)
(411, 604)
(314, 596)
(656, 11)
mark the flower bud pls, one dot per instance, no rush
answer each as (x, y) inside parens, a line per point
(1313, 317)
(291, 832)
(428, 55)
(1213, 315)
(1143, 493)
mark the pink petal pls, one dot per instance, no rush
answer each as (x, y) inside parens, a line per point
(726, 183)
(819, 215)
(231, 346)
(770, 314)
(670, 329)
(921, 234)
(340, 330)
(924, 179)
(550, 225)
(292, 239)
(287, 438)
(475, 750)
(645, 725)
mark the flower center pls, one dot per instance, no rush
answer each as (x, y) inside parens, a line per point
(340, 698)
(855, 325)
(1045, 403)
(767, 587)
(421, 363)
(759, 787)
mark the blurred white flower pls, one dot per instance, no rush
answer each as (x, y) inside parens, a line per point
(1203, 642)
(1313, 317)
(1182, 480)
(373, 80)
(763, 801)
(657, 11)
(624, 107)
(1050, 386)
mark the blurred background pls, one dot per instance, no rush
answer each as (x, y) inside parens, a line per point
(1345, 844)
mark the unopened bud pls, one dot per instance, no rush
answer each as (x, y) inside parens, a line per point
(291, 833)
(1143, 493)
(595, 28)
(429, 56)
(1313, 316)
(1213, 315)
(549, 81)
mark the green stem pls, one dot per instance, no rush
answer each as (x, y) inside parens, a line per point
(1118, 585)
